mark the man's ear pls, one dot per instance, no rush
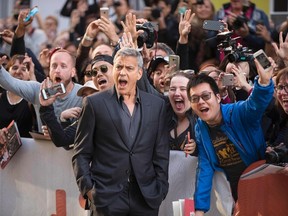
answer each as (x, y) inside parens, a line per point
(73, 72)
(139, 74)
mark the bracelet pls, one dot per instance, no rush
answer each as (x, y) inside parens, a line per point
(88, 38)
(114, 44)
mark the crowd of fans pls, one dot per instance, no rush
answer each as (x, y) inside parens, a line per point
(81, 57)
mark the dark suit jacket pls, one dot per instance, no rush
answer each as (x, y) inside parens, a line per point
(103, 158)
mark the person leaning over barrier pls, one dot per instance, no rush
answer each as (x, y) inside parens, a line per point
(229, 136)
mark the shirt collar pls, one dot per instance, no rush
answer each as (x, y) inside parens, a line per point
(120, 97)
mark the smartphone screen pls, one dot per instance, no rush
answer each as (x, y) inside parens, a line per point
(48, 92)
(263, 60)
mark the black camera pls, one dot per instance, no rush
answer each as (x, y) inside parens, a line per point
(229, 46)
(156, 13)
(239, 22)
(279, 154)
(148, 36)
(240, 54)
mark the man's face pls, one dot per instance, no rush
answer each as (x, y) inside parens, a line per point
(178, 95)
(104, 78)
(158, 77)
(62, 68)
(208, 109)
(102, 49)
(126, 73)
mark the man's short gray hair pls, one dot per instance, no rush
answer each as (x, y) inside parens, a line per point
(126, 52)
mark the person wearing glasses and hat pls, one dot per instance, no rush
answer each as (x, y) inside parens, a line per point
(229, 136)
(102, 66)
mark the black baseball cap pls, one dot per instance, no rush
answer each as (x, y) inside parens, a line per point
(155, 62)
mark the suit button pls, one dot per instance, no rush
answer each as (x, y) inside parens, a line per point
(128, 172)
(131, 153)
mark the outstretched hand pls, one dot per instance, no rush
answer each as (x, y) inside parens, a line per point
(130, 26)
(3, 133)
(282, 50)
(265, 75)
(185, 25)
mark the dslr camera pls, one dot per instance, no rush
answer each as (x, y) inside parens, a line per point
(278, 155)
(156, 13)
(148, 36)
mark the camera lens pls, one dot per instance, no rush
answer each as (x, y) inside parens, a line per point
(232, 57)
(271, 157)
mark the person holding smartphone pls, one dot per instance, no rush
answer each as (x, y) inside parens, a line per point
(229, 136)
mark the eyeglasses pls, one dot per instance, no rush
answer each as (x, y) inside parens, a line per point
(281, 87)
(94, 71)
(205, 96)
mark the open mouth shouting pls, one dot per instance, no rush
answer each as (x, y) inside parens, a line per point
(284, 103)
(122, 83)
(204, 110)
(102, 83)
(179, 104)
(57, 79)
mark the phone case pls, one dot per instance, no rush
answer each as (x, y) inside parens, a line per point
(104, 12)
(213, 25)
(228, 80)
(31, 14)
(174, 60)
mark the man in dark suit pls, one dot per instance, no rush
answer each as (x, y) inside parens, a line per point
(121, 148)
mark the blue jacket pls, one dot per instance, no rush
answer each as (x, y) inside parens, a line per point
(242, 125)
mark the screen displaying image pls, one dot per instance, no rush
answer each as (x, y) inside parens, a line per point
(263, 61)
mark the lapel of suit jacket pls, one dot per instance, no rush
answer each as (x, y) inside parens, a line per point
(112, 105)
(145, 105)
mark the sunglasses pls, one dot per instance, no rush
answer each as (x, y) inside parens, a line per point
(94, 71)
(205, 96)
(279, 88)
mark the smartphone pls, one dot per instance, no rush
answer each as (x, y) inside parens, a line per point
(104, 12)
(48, 92)
(213, 25)
(228, 80)
(174, 60)
(262, 59)
(31, 14)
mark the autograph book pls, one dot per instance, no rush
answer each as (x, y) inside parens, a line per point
(8, 150)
